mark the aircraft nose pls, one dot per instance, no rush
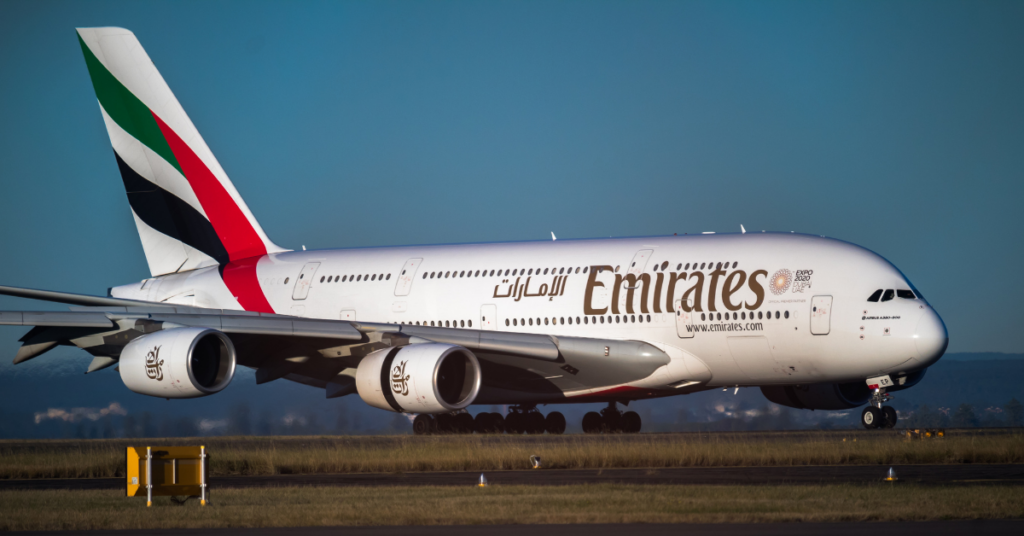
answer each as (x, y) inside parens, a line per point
(931, 337)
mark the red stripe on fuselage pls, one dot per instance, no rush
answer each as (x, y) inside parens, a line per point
(624, 390)
(244, 284)
(234, 230)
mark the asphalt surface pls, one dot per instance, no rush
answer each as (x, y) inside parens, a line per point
(928, 528)
(959, 474)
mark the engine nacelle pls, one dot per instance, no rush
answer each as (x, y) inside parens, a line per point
(420, 378)
(819, 395)
(178, 363)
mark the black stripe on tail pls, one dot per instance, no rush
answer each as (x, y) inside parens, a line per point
(169, 214)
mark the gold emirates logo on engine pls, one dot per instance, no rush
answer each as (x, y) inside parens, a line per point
(400, 380)
(154, 365)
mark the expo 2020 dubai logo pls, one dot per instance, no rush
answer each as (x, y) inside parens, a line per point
(780, 281)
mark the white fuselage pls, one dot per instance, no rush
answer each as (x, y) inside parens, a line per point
(766, 308)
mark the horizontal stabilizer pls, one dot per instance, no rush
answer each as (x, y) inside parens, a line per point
(68, 298)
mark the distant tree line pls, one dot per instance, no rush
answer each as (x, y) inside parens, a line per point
(965, 416)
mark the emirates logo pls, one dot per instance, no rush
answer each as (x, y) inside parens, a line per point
(400, 380)
(155, 365)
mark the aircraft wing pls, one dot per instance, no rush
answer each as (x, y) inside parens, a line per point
(325, 353)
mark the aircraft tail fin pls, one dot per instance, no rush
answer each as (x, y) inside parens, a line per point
(188, 213)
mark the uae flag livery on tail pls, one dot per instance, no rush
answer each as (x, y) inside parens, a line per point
(187, 211)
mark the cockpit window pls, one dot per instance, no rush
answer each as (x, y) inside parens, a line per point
(905, 294)
(889, 293)
(875, 295)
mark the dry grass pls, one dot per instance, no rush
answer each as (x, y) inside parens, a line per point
(265, 456)
(290, 507)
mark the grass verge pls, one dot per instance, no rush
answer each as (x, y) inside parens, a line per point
(305, 455)
(308, 506)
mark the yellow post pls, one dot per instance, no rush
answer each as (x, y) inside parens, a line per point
(149, 477)
(202, 475)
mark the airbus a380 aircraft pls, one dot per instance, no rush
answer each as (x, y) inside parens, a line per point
(815, 323)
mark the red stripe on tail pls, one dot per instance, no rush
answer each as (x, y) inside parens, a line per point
(244, 284)
(233, 228)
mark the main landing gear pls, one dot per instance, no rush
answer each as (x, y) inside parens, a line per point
(520, 420)
(876, 415)
(611, 420)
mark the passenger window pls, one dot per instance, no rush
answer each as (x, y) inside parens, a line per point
(875, 295)
(905, 294)
(888, 295)
(787, 314)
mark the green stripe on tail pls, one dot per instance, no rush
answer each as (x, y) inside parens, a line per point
(126, 109)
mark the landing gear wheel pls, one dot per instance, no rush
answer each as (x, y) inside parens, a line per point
(554, 423)
(497, 423)
(463, 423)
(592, 423)
(445, 423)
(514, 423)
(534, 423)
(631, 422)
(482, 423)
(871, 418)
(423, 424)
(889, 417)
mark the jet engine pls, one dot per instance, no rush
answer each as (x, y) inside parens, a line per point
(419, 378)
(178, 363)
(819, 395)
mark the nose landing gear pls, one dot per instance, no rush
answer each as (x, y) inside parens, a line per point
(611, 420)
(876, 415)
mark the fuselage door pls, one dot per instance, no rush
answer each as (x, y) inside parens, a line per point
(304, 280)
(489, 317)
(684, 319)
(636, 267)
(639, 263)
(405, 278)
(821, 315)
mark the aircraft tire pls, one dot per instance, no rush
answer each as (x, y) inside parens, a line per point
(591, 422)
(464, 423)
(554, 423)
(631, 423)
(445, 423)
(871, 417)
(611, 423)
(534, 423)
(423, 424)
(514, 423)
(889, 417)
(482, 423)
(497, 423)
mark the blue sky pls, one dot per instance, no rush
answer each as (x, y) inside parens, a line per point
(898, 126)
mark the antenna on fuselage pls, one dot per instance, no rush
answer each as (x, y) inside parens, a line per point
(553, 237)
(742, 230)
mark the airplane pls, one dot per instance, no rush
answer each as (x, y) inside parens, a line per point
(814, 322)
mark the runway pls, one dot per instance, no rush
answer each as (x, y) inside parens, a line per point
(924, 528)
(959, 474)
